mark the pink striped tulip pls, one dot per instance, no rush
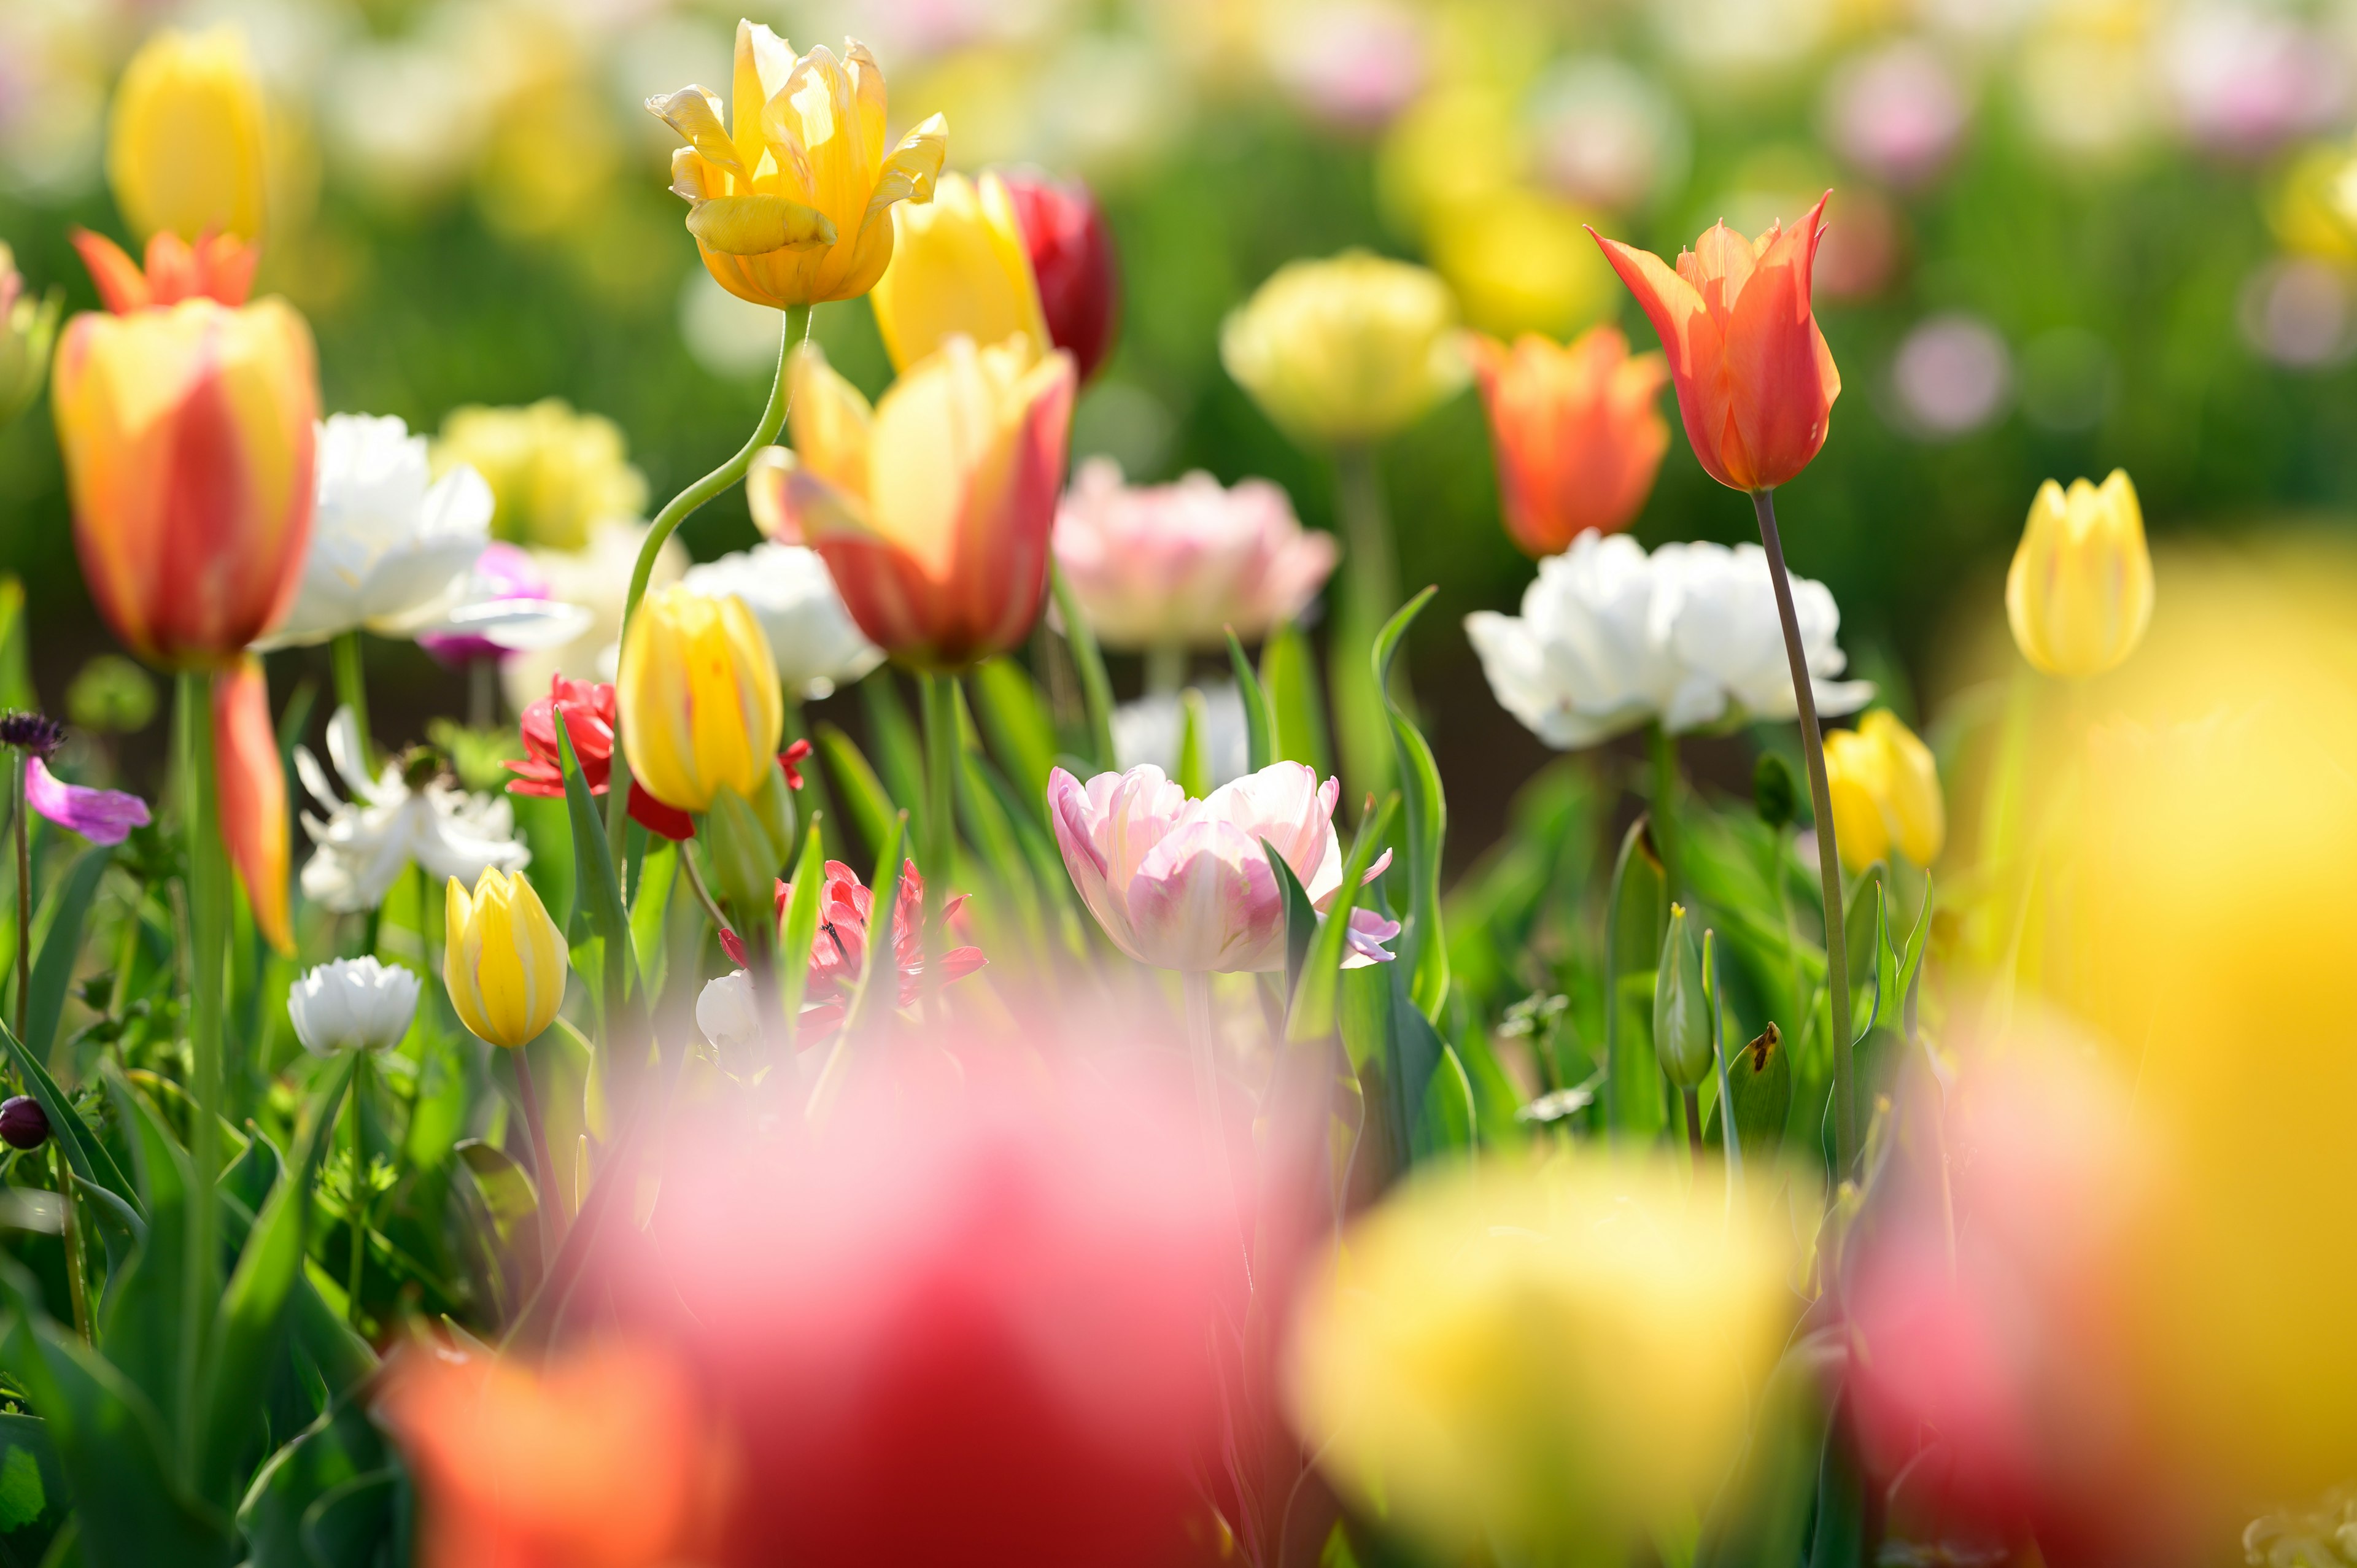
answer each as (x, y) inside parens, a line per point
(1182, 883)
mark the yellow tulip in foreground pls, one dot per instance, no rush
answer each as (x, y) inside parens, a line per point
(2079, 592)
(1349, 349)
(185, 151)
(791, 204)
(698, 698)
(1886, 792)
(959, 264)
(1554, 1354)
(504, 960)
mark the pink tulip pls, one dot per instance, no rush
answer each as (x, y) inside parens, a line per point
(1171, 565)
(1183, 884)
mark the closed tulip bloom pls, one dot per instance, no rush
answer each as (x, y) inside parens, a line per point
(1073, 265)
(29, 327)
(1348, 349)
(187, 432)
(1886, 792)
(1578, 437)
(2078, 594)
(352, 1005)
(1185, 885)
(698, 699)
(504, 960)
(959, 265)
(251, 779)
(792, 595)
(934, 509)
(185, 148)
(1755, 380)
(791, 203)
(1175, 565)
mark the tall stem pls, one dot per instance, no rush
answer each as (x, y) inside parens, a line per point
(943, 756)
(77, 1282)
(1371, 583)
(209, 920)
(360, 1193)
(351, 692)
(1821, 801)
(24, 900)
(552, 1227)
(1663, 747)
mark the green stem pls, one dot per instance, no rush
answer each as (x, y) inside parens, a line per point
(1096, 686)
(23, 902)
(360, 1193)
(351, 692)
(76, 1284)
(943, 756)
(552, 1224)
(1813, 750)
(209, 920)
(1663, 748)
(1166, 668)
(1371, 592)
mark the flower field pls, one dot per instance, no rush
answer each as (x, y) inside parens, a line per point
(1306, 783)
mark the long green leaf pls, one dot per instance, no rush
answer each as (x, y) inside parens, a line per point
(1289, 677)
(84, 1151)
(1423, 947)
(798, 930)
(53, 966)
(1260, 729)
(1300, 920)
(341, 1444)
(144, 1321)
(863, 795)
(596, 888)
(1311, 1015)
(34, 1497)
(899, 753)
(1413, 1054)
(1096, 686)
(1021, 730)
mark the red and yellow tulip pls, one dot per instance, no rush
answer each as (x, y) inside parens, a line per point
(1578, 437)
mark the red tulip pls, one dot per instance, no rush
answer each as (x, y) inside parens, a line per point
(588, 707)
(1073, 261)
(1578, 436)
(844, 909)
(1754, 377)
(251, 780)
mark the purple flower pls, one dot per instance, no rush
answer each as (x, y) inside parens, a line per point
(102, 816)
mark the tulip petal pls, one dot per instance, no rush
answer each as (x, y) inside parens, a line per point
(1692, 340)
(1779, 380)
(757, 225)
(102, 816)
(695, 113)
(830, 420)
(122, 286)
(252, 789)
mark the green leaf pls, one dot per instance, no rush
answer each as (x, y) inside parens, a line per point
(1311, 1014)
(1260, 729)
(34, 1500)
(143, 1319)
(16, 665)
(900, 756)
(1910, 965)
(863, 793)
(1761, 1515)
(798, 930)
(1449, 1122)
(1289, 676)
(544, 1317)
(656, 872)
(1423, 947)
(1632, 924)
(506, 1189)
(1300, 920)
(1413, 1054)
(1096, 686)
(1194, 765)
(84, 1151)
(600, 894)
(53, 966)
(1022, 732)
(354, 1521)
(342, 1444)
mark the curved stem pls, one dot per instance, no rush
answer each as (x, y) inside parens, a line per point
(1813, 750)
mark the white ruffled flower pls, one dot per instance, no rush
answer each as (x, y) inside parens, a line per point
(352, 1005)
(725, 1013)
(1151, 729)
(368, 842)
(817, 645)
(1610, 638)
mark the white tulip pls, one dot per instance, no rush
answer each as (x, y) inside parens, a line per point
(727, 1013)
(1611, 639)
(366, 843)
(817, 645)
(352, 1005)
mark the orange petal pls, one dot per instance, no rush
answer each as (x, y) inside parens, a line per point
(251, 782)
(122, 286)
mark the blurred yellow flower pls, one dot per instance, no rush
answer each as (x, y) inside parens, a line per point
(184, 149)
(2079, 591)
(504, 960)
(791, 204)
(29, 327)
(554, 474)
(1522, 262)
(1886, 792)
(1555, 1355)
(959, 264)
(698, 700)
(1349, 349)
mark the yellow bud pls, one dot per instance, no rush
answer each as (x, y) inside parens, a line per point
(698, 698)
(1886, 793)
(504, 960)
(959, 264)
(1350, 348)
(185, 150)
(2080, 593)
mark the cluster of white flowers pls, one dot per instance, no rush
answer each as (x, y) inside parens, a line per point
(369, 840)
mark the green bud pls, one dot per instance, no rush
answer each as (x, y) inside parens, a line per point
(112, 695)
(1774, 794)
(1681, 1015)
(748, 842)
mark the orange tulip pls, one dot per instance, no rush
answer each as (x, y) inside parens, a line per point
(251, 782)
(1754, 377)
(1578, 438)
(932, 510)
(186, 425)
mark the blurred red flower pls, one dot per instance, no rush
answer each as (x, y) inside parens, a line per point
(845, 906)
(1073, 261)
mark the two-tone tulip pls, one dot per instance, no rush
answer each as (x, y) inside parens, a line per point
(960, 266)
(1073, 263)
(1578, 436)
(186, 422)
(251, 780)
(935, 508)
(27, 329)
(1348, 349)
(2078, 594)
(1886, 792)
(504, 960)
(791, 202)
(1756, 382)
(186, 149)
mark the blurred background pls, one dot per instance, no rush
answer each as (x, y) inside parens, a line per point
(2066, 235)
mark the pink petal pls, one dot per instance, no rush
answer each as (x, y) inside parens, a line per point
(102, 816)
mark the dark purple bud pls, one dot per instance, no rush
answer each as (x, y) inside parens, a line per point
(23, 1124)
(35, 733)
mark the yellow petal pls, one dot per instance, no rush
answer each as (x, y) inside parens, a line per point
(756, 225)
(695, 113)
(830, 422)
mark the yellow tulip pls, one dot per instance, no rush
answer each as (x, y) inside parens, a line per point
(698, 699)
(959, 264)
(1552, 1354)
(1886, 792)
(790, 205)
(1349, 349)
(2079, 591)
(504, 960)
(554, 474)
(185, 150)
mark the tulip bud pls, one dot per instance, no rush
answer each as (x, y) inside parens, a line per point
(185, 150)
(1579, 439)
(1886, 793)
(27, 328)
(959, 265)
(504, 961)
(1350, 348)
(1681, 1011)
(23, 1124)
(2079, 594)
(1774, 794)
(699, 701)
(1073, 263)
(352, 1005)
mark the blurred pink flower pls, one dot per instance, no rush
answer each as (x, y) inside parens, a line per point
(1184, 885)
(1897, 113)
(102, 816)
(1354, 64)
(2246, 79)
(1170, 566)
